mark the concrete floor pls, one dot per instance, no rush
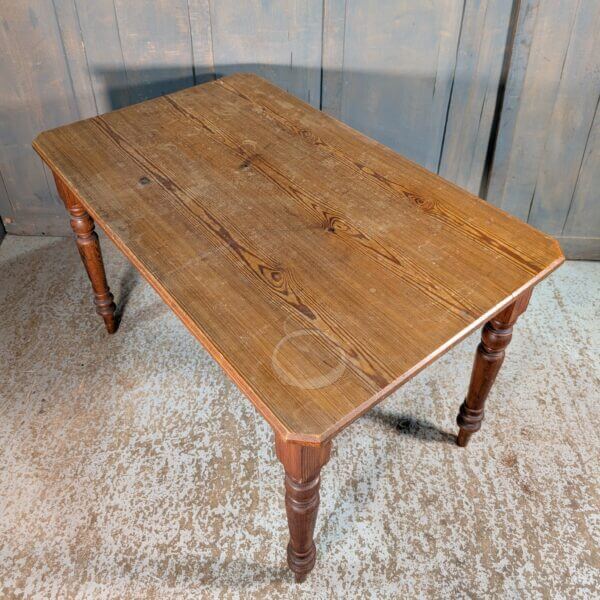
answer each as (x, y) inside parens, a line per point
(133, 468)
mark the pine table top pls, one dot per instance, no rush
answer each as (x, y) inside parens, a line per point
(318, 267)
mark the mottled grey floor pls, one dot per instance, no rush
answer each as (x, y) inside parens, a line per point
(132, 468)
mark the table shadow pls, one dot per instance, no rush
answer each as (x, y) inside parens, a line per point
(127, 283)
(412, 426)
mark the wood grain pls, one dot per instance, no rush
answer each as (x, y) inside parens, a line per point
(30, 43)
(75, 53)
(202, 45)
(321, 269)
(541, 45)
(569, 124)
(583, 219)
(332, 62)
(102, 42)
(547, 118)
(422, 77)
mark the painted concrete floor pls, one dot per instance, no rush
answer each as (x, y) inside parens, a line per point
(132, 468)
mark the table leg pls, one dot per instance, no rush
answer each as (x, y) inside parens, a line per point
(302, 464)
(495, 337)
(89, 250)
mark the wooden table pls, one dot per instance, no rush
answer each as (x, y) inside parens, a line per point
(319, 268)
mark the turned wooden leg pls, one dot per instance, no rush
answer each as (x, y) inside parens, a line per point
(89, 250)
(495, 337)
(302, 466)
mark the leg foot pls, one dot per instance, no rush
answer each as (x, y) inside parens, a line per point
(91, 256)
(302, 464)
(495, 337)
(463, 437)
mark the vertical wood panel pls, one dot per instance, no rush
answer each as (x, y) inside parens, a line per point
(156, 46)
(101, 37)
(39, 96)
(422, 77)
(6, 207)
(526, 20)
(74, 49)
(399, 65)
(280, 41)
(583, 220)
(570, 122)
(202, 45)
(479, 65)
(545, 168)
(334, 31)
(542, 45)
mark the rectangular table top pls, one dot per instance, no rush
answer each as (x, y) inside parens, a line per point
(318, 267)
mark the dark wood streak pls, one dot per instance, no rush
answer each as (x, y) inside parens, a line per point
(270, 274)
(453, 220)
(403, 267)
(364, 364)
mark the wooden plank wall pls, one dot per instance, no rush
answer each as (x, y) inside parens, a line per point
(547, 157)
(499, 96)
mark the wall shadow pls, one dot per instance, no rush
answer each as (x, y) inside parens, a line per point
(398, 110)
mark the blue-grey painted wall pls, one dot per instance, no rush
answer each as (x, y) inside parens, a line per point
(499, 96)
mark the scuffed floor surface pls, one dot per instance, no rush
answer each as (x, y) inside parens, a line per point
(132, 468)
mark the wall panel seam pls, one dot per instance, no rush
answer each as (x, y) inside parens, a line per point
(458, 38)
(556, 97)
(193, 59)
(85, 54)
(121, 45)
(66, 59)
